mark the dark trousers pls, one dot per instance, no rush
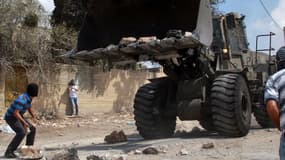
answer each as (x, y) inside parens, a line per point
(20, 130)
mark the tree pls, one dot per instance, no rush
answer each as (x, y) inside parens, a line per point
(13, 15)
(31, 20)
(69, 12)
(24, 41)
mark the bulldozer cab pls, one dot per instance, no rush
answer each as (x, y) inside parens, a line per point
(108, 21)
(230, 43)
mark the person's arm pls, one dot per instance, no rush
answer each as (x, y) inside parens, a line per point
(19, 117)
(31, 112)
(75, 88)
(271, 100)
(35, 118)
(273, 112)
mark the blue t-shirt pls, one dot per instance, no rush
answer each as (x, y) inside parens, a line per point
(22, 103)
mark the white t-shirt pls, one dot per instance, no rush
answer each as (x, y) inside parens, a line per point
(73, 91)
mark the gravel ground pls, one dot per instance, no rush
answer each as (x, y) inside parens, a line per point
(86, 134)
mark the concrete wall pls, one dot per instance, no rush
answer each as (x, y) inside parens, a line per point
(2, 92)
(112, 91)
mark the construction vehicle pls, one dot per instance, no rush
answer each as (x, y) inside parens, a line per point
(212, 76)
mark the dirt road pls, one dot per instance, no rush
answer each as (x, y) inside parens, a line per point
(86, 134)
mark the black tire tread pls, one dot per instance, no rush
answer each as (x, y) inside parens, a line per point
(149, 123)
(224, 104)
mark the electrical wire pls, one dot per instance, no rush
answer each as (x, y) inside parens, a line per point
(268, 13)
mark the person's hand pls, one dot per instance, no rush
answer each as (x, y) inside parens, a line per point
(26, 125)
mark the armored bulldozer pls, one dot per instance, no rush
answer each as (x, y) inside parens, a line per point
(212, 76)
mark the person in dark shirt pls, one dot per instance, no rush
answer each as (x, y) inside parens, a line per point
(15, 119)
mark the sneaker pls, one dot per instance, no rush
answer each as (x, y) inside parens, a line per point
(10, 154)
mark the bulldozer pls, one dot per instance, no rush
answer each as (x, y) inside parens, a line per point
(211, 74)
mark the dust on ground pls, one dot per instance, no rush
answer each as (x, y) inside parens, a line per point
(86, 134)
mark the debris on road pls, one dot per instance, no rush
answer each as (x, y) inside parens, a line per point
(150, 150)
(116, 137)
(183, 152)
(94, 157)
(163, 148)
(106, 157)
(208, 145)
(138, 151)
(29, 152)
(65, 154)
(121, 158)
(89, 140)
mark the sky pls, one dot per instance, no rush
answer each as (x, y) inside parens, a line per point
(259, 22)
(47, 4)
(256, 19)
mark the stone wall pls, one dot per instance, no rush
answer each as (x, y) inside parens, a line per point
(99, 92)
(2, 91)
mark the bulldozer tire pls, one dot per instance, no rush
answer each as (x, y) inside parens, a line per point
(262, 118)
(231, 105)
(207, 124)
(150, 123)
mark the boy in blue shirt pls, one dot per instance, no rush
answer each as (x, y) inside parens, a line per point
(15, 119)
